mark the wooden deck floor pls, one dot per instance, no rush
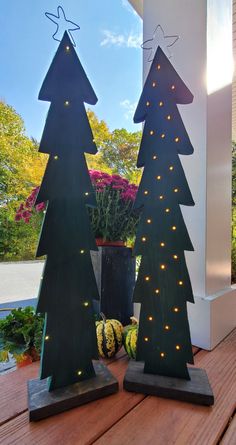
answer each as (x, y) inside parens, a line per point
(127, 418)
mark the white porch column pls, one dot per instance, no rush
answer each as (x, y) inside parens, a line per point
(202, 57)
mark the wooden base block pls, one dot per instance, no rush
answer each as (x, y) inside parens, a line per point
(197, 390)
(43, 403)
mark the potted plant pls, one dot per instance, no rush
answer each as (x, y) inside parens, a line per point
(21, 335)
(114, 223)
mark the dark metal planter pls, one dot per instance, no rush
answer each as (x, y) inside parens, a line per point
(114, 269)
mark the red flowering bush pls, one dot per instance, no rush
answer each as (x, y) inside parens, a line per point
(114, 218)
(24, 212)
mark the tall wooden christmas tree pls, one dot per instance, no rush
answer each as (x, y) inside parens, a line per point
(68, 283)
(163, 286)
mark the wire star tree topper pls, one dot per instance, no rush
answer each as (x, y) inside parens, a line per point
(62, 24)
(159, 39)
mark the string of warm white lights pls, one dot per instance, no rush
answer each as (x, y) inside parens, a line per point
(144, 238)
(86, 304)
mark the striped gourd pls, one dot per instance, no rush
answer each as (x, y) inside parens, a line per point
(109, 337)
(130, 338)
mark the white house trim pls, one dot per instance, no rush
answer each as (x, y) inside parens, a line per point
(209, 123)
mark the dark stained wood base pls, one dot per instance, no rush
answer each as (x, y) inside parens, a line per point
(197, 390)
(42, 403)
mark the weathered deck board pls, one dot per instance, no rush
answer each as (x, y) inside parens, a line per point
(229, 437)
(195, 350)
(79, 426)
(159, 421)
(13, 400)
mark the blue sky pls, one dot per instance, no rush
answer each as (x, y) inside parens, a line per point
(108, 44)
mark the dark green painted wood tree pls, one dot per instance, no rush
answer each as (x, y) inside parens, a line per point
(163, 286)
(68, 284)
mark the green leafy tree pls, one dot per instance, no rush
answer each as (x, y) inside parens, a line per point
(101, 134)
(21, 168)
(117, 150)
(119, 153)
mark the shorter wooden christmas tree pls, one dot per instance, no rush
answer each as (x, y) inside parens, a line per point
(68, 285)
(163, 286)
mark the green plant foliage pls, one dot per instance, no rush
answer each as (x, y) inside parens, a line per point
(17, 240)
(114, 219)
(21, 167)
(21, 331)
(234, 174)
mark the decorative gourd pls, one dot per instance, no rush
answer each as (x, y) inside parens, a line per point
(130, 338)
(109, 336)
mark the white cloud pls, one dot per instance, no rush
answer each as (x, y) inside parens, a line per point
(129, 108)
(111, 38)
(131, 40)
(134, 40)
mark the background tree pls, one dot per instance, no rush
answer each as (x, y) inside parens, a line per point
(117, 150)
(163, 286)
(21, 169)
(119, 153)
(101, 134)
(68, 285)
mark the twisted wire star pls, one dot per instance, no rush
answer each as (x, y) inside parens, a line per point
(61, 21)
(159, 39)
